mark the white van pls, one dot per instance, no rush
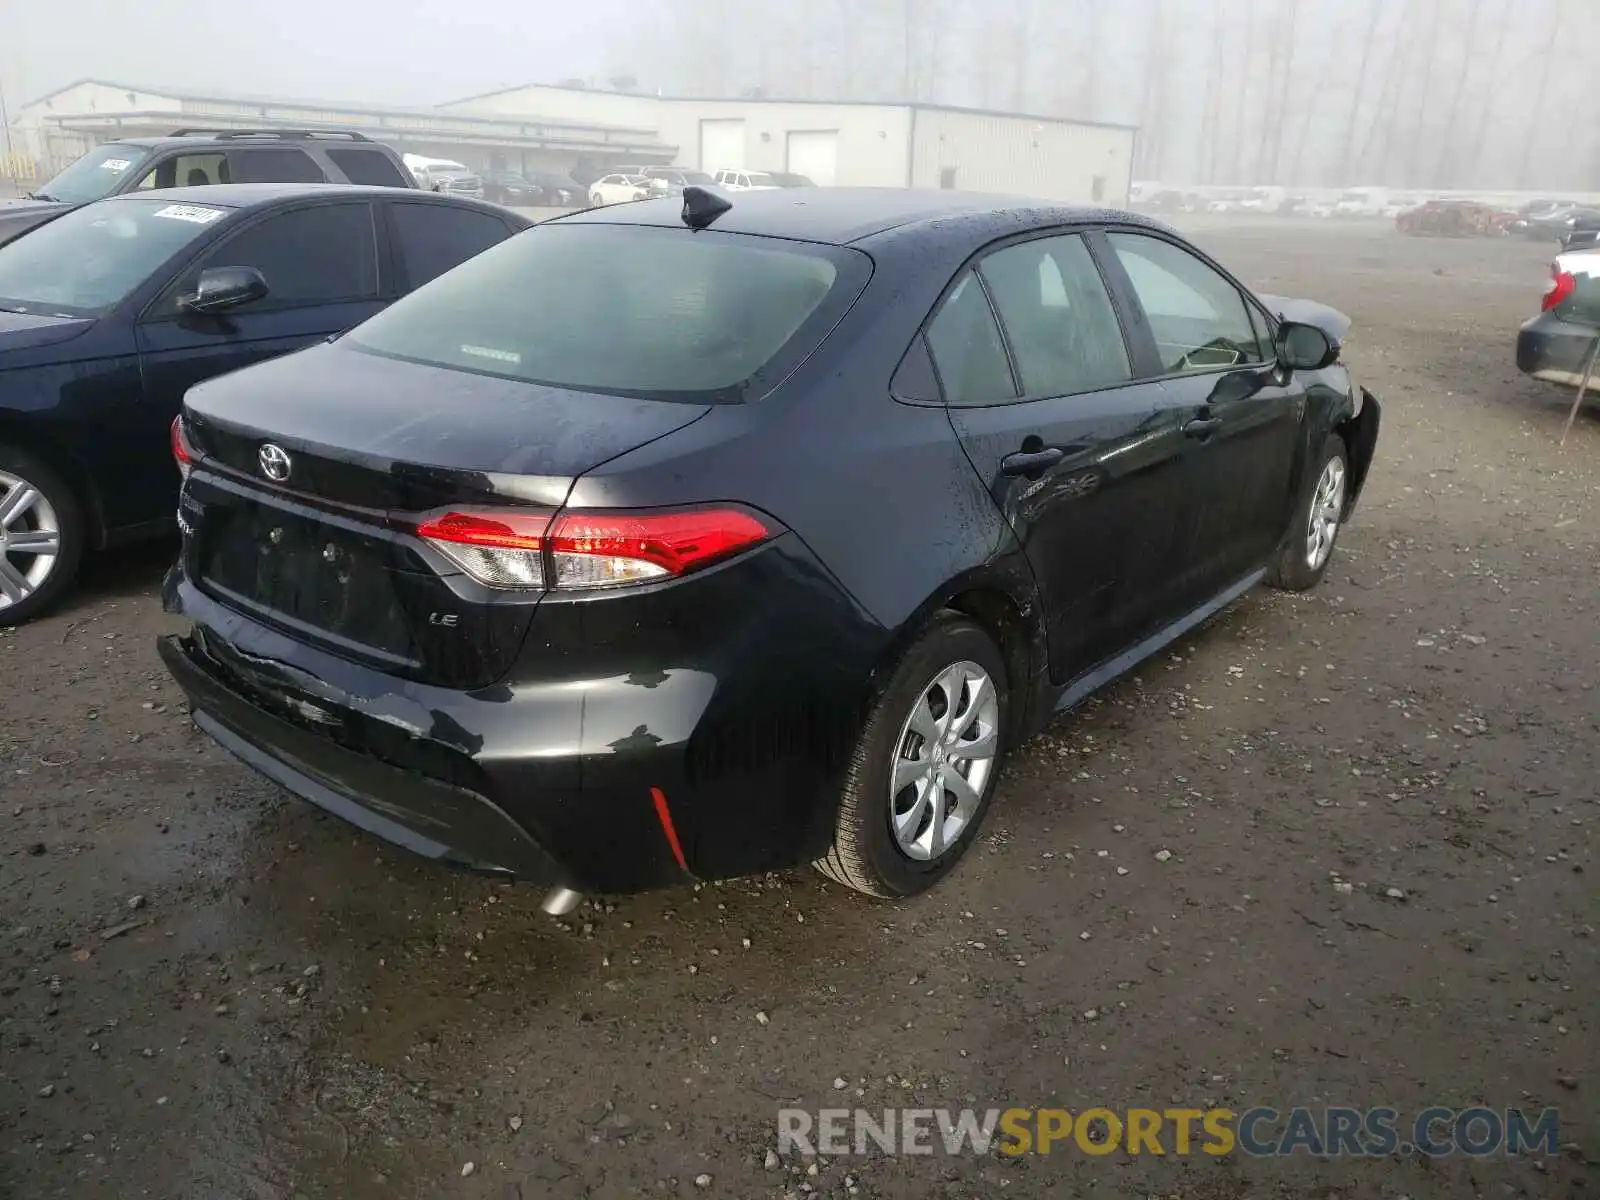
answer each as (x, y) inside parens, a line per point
(1362, 202)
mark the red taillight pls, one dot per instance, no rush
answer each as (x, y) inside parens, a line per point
(589, 549)
(182, 451)
(1562, 285)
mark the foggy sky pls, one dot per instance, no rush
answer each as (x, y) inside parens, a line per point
(355, 50)
(1417, 93)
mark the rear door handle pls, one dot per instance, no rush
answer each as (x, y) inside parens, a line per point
(1202, 427)
(1030, 462)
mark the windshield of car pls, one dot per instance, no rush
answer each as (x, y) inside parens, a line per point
(94, 175)
(664, 313)
(760, 179)
(697, 177)
(88, 261)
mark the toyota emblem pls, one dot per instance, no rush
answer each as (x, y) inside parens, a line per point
(275, 462)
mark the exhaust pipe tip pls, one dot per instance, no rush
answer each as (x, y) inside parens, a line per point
(560, 901)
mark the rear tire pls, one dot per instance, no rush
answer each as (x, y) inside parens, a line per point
(938, 729)
(41, 536)
(1304, 556)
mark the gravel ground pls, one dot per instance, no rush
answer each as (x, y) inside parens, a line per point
(1376, 803)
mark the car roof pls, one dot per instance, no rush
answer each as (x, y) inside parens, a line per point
(841, 215)
(250, 195)
(243, 138)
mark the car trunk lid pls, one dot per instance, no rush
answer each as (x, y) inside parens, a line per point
(309, 485)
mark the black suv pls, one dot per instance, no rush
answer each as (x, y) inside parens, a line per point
(195, 157)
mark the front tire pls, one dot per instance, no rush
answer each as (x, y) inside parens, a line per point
(41, 536)
(927, 765)
(1304, 556)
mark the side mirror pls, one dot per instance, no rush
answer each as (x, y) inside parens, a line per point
(222, 288)
(1303, 347)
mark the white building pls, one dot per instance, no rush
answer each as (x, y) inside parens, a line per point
(859, 144)
(48, 132)
(546, 128)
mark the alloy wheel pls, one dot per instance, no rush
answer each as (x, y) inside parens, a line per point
(1327, 510)
(943, 761)
(30, 539)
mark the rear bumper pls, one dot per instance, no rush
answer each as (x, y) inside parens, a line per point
(425, 816)
(696, 733)
(1554, 350)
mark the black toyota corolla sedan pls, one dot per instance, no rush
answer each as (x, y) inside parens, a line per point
(682, 540)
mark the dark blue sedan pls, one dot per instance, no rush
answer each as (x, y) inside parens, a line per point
(109, 313)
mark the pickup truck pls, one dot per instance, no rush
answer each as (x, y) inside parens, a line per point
(194, 157)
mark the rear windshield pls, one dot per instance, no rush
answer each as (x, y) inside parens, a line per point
(89, 260)
(98, 173)
(665, 313)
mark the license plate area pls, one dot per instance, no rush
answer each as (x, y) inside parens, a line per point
(314, 573)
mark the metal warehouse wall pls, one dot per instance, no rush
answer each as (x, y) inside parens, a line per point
(871, 143)
(1053, 160)
(567, 104)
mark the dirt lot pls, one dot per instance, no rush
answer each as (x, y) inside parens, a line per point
(209, 990)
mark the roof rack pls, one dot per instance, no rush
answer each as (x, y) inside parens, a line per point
(347, 134)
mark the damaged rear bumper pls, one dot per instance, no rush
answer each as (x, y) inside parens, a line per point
(488, 780)
(426, 816)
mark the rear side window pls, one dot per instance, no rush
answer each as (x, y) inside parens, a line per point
(1057, 316)
(659, 312)
(371, 167)
(1199, 319)
(431, 239)
(282, 164)
(316, 255)
(187, 170)
(966, 347)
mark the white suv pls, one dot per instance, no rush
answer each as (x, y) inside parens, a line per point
(746, 181)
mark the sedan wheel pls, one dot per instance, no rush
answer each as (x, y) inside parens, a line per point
(925, 769)
(946, 753)
(1327, 510)
(40, 539)
(1305, 553)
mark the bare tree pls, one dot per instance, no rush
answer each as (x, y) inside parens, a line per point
(1347, 144)
(1242, 100)
(1210, 117)
(1153, 105)
(1454, 114)
(1558, 14)
(1474, 149)
(1374, 151)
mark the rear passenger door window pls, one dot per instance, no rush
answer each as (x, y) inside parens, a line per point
(371, 167)
(1057, 317)
(967, 349)
(274, 164)
(1197, 316)
(308, 256)
(430, 239)
(186, 170)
